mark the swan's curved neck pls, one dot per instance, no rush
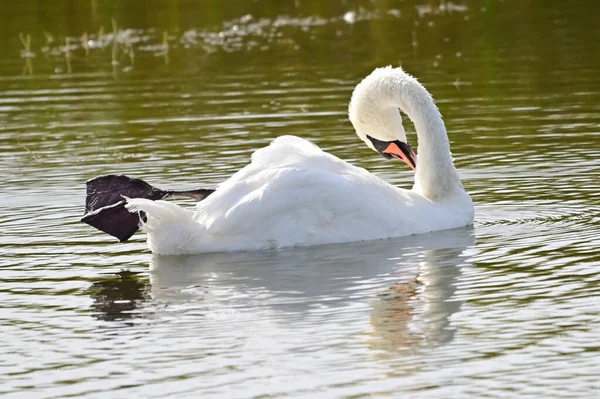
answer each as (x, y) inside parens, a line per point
(435, 175)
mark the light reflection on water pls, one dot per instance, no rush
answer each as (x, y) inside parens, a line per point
(506, 308)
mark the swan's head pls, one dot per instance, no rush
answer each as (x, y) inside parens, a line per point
(376, 118)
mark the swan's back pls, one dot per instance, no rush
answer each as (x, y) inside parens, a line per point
(291, 184)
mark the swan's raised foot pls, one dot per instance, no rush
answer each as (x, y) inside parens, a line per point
(105, 203)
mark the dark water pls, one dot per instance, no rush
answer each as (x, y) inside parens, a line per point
(181, 93)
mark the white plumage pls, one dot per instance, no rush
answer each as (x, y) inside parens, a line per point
(294, 194)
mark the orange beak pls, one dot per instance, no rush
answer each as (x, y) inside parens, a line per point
(402, 151)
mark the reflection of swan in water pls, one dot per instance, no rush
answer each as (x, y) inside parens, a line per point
(117, 296)
(417, 313)
(291, 280)
(295, 282)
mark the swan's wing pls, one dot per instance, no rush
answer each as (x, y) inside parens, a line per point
(289, 152)
(292, 184)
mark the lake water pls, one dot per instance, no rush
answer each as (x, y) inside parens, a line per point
(181, 93)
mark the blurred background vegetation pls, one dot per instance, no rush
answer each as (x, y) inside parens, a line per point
(494, 31)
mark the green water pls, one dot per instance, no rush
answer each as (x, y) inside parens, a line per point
(180, 93)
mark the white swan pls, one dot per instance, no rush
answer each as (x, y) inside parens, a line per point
(294, 194)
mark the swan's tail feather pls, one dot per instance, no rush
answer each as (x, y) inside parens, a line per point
(169, 227)
(157, 211)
